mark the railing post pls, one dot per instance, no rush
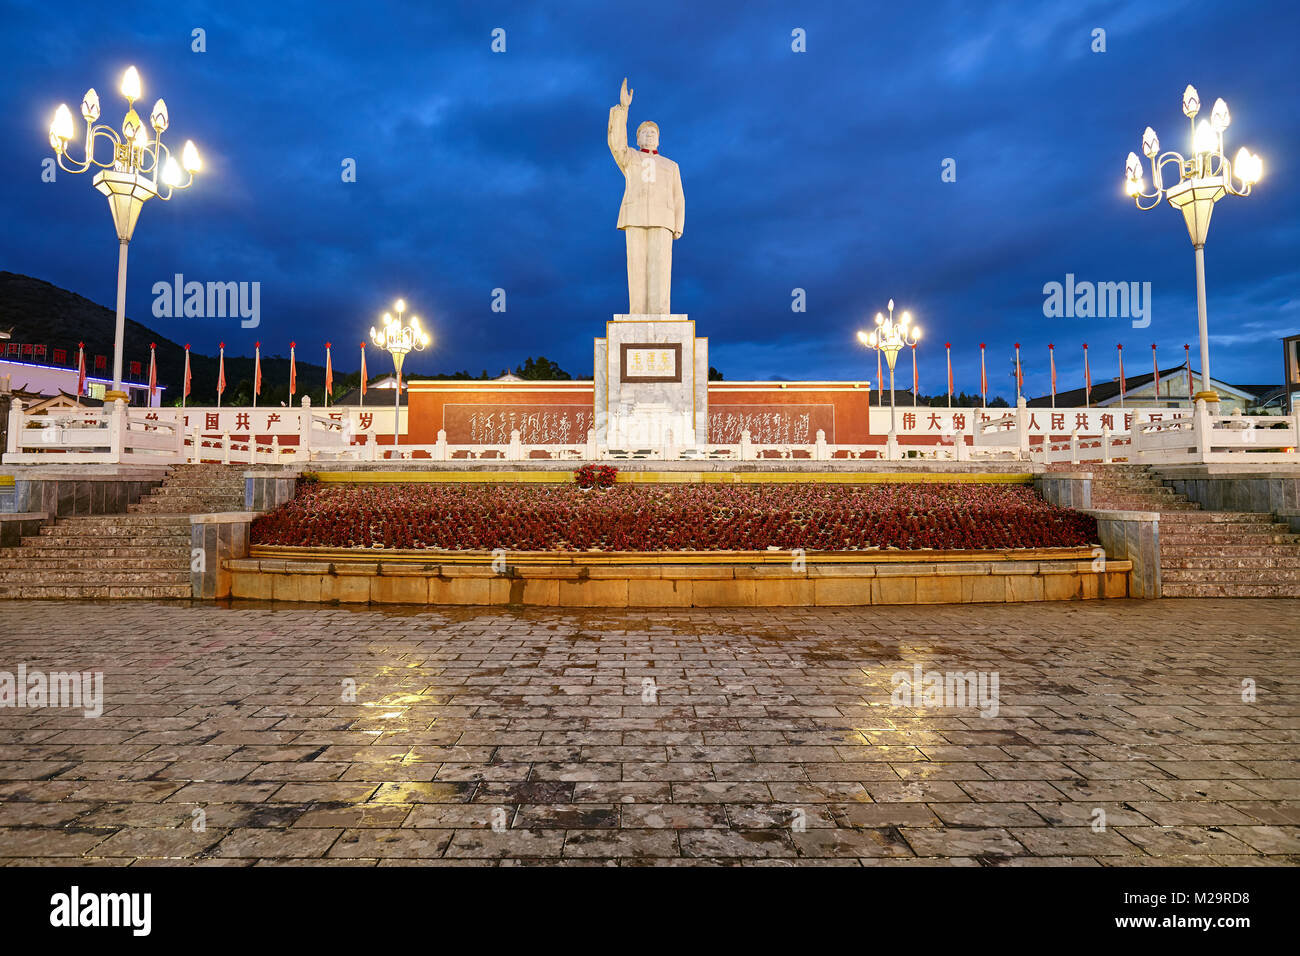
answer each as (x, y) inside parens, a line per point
(821, 453)
(225, 448)
(1022, 429)
(515, 451)
(440, 446)
(592, 452)
(275, 448)
(1203, 426)
(15, 426)
(746, 448)
(304, 429)
(116, 430)
(1105, 444)
(371, 446)
(1074, 447)
(178, 426)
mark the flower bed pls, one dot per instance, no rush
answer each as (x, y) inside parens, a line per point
(686, 517)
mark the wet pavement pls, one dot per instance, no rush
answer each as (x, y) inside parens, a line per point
(1107, 733)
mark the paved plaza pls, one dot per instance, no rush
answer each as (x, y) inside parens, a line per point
(1114, 733)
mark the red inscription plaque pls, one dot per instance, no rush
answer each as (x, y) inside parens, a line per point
(537, 424)
(770, 424)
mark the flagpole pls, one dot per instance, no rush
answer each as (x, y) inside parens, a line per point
(948, 347)
(221, 374)
(1155, 368)
(1018, 376)
(916, 381)
(1119, 350)
(329, 375)
(363, 376)
(1087, 379)
(153, 374)
(257, 370)
(984, 380)
(1051, 354)
(293, 374)
(185, 388)
(81, 370)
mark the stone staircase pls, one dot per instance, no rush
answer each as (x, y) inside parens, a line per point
(194, 490)
(1205, 553)
(143, 554)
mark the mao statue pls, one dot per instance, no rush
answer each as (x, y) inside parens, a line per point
(652, 213)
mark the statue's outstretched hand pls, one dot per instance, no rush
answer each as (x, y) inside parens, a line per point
(625, 95)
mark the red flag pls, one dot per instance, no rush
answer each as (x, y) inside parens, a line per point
(1191, 386)
(257, 370)
(329, 374)
(293, 374)
(1020, 378)
(984, 379)
(916, 381)
(1155, 368)
(948, 347)
(153, 374)
(363, 373)
(185, 391)
(81, 368)
(1087, 378)
(221, 373)
(1123, 386)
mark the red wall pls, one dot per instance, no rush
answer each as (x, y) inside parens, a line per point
(481, 410)
(837, 408)
(484, 412)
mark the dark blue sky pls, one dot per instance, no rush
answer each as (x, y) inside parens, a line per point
(817, 170)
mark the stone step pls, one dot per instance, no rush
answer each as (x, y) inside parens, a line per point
(1198, 537)
(1230, 561)
(1178, 550)
(85, 553)
(1231, 575)
(77, 592)
(114, 521)
(94, 576)
(1142, 504)
(1203, 590)
(1219, 517)
(1174, 527)
(126, 526)
(37, 559)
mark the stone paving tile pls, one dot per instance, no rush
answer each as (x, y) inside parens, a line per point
(520, 737)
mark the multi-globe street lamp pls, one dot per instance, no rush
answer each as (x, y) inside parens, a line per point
(398, 339)
(1205, 176)
(891, 337)
(129, 179)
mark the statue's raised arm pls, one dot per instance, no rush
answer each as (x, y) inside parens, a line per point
(617, 132)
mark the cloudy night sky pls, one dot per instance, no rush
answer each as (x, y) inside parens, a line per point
(817, 170)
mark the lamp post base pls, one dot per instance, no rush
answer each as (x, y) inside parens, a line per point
(112, 395)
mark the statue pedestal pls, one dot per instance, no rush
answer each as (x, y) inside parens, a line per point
(651, 383)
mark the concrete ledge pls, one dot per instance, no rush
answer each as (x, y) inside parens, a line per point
(215, 540)
(16, 526)
(1133, 536)
(657, 585)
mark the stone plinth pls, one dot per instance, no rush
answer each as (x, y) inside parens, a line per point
(651, 383)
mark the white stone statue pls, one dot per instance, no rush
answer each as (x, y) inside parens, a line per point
(653, 210)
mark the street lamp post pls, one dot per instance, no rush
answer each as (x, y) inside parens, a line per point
(398, 339)
(1205, 176)
(128, 180)
(891, 337)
